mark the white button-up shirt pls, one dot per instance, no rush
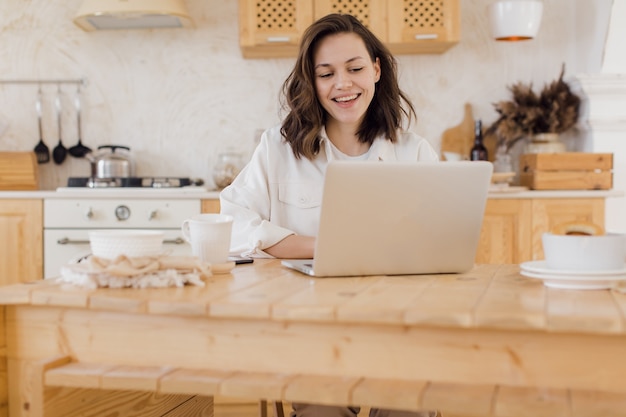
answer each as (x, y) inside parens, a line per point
(277, 195)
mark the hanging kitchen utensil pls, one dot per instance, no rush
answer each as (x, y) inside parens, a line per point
(79, 150)
(59, 152)
(41, 150)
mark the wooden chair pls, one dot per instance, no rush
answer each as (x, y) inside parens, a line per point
(277, 405)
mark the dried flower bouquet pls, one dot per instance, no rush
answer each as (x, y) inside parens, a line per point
(554, 110)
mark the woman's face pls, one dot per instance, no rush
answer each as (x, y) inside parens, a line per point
(345, 77)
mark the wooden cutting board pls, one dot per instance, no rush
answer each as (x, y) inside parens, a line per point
(18, 171)
(459, 138)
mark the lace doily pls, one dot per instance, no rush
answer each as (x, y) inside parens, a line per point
(139, 272)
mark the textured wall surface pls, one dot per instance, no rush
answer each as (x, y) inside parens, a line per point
(179, 97)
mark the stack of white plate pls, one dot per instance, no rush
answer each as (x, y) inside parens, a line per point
(571, 279)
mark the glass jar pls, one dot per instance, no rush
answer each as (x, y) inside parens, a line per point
(228, 166)
(502, 161)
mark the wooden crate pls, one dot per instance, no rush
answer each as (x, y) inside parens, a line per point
(567, 171)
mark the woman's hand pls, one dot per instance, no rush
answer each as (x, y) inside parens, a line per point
(294, 247)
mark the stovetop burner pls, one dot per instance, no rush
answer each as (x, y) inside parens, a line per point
(136, 182)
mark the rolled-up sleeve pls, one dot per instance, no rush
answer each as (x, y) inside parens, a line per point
(425, 152)
(248, 199)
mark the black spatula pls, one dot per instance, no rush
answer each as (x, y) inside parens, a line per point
(41, 150)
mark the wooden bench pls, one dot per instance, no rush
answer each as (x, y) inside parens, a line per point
(450, 399)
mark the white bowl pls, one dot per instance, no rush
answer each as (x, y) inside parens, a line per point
(453, 156)
(111, 243)
(584, 253)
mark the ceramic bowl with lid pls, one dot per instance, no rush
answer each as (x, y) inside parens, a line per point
(584, 253)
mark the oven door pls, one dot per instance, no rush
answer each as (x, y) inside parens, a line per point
(62, 246)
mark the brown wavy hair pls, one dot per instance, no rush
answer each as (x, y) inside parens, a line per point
(306, 116)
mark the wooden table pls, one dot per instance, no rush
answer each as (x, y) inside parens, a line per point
(485, 343)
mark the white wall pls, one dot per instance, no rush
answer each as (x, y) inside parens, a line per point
(605, 115)
(178, 97)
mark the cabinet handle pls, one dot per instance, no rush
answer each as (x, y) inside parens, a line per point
(68, 241)
(277, 39)
(177, 241)
(423, 36)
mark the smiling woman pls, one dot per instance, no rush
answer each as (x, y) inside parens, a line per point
(343, 103)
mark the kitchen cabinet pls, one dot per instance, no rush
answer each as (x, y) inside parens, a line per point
(210, 206)
(422, 27)
(406, 27)
(272, 28)
(4, 375)
(21, 240)
(512, 228)
(372, 13)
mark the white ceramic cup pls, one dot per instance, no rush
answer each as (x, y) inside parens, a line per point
(209, 235)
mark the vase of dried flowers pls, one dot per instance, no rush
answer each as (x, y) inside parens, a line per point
(545, 143)
(529, 114)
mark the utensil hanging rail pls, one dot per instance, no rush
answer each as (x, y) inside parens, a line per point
(59, 81)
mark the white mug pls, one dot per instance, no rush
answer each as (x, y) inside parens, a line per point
(209, 235)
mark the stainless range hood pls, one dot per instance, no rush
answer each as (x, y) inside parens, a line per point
(132, 14)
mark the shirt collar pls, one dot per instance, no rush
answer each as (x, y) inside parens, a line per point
(381, 150)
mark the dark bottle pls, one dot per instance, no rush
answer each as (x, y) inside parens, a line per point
(478, 152)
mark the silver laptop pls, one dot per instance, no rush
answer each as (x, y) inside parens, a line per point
(394, 218)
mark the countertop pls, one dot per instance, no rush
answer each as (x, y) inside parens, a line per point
(201, 193)
(515, 192)
(206, 194)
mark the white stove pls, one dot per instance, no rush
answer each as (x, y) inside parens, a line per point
(74, 211)
(131, 182)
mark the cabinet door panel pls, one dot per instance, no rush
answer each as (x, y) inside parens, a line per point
(211, 206)
(21, 241)
(372, 13)
(506, 232)
(272, 28)
(423, 26)
(546, 213)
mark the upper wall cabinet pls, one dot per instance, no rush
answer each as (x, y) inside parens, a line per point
(272, 28)
(427, 27)
(372, 13)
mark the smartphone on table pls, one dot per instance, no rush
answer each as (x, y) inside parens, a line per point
(241, 260)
